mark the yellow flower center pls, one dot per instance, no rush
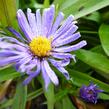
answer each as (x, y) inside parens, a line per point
(40, 46)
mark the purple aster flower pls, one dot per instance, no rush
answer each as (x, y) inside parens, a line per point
(45, 42)
(90, 93)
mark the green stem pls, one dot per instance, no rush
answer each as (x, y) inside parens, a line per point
(49, 94)
(50, 105)
(88, 32)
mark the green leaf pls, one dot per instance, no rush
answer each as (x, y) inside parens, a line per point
(3, 88)
(67, 104)
(8, 13)
(104, 37)
(104, 96)
(64, 3)
(96, 60)
(20, 96)
(61, 94)
(8, 73)
(58, 3)
(67, 3)
(6, 104)
(46, 3)
(79, 78)
(85, 7)
(49, 94)
(34, 94)
(79, 65)
(95, 16)
(30, 96)
(98, 49)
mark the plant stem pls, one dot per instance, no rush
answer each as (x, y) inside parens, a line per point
(50, 105)
(88, 32)
(49, 93)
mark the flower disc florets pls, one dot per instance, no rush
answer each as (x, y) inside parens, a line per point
(40, 46)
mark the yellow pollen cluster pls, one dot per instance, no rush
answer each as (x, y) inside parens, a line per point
(40, 46)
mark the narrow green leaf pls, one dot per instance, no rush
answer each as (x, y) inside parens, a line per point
(67, 104)
(58, 105)
(49, 94)
(104, 37)
(29, 97)
(67, 3)
(63, 4)
(8, 73)
(58, 3)
(98, 49)
(85, 7)
(34, 94)
(3, 88)
(95, 60)
(8, 13)
(46, 3)
(61, 94)
(79, 78)
(20, 96)
(104, 96)
(6, 104)
(95, 16)
(79, 65)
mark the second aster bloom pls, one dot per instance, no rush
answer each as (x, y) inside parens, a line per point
(46, 41)
(90, 93)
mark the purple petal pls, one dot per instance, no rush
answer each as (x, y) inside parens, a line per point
(29, 68)
(4, 45)
(23, 23)
(45, 76)
(57, 23)
(62, 63)
(28, 80)
(63, 56)
(50, 73)
(64, 27)
(32, 22)
(23, 63)
(50, 18)
(64, 72)
(12, 44)
(39, 22)
(67, 40)
(69, 32)
(47, 20)
(17, 34)
(12, 41)
(60, 68)
(32, 75)
(71, 48)
(6, 53)
(9, 60)
(89, 93)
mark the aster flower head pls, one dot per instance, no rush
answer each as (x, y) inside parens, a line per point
(89, 93)
(46, 41)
